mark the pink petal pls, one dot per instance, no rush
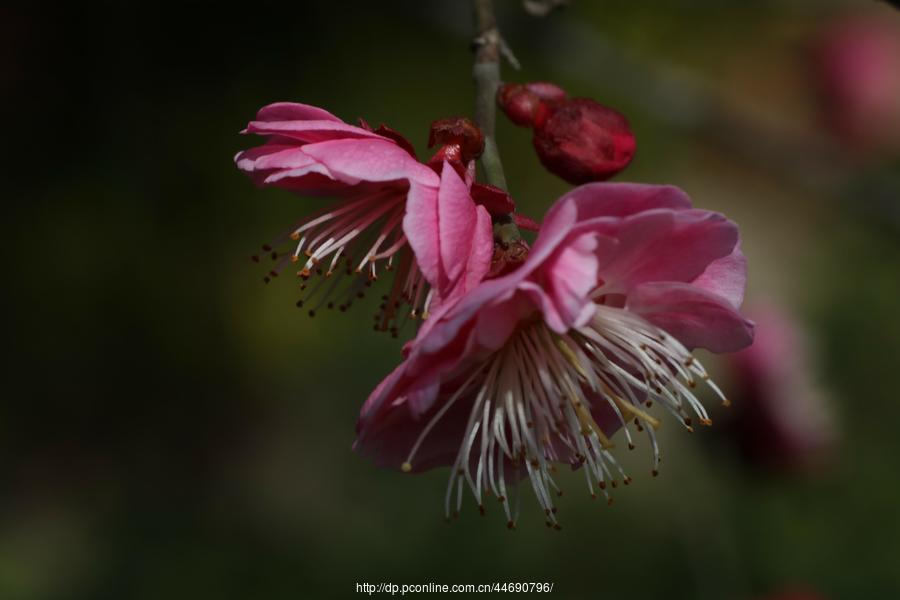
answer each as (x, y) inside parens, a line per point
(310, 131)
(623, 199)
(696, 317)
(451, 237)
(384, 389)
(277, 156)
(481, 251)
(376, 159)
(456, 222)
(293, 111)
(557, 224)
(420, 225)
(568, 278)
(726, 277)
(248, 160)
(665, 245)
(440, 330)
(497, 320)
(388, 439)
(288, 167)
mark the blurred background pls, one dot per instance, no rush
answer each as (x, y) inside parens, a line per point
(175, 429)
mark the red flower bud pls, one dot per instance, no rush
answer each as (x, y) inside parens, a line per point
(458, 131)
(582, 141)
(549, 93)
(523, 102)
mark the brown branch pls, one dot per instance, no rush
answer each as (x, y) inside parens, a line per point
(486, 73)
(489, 47)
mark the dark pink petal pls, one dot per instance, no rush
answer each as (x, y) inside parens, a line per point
(314, 181)
(526, 223)
(388, 440)
(497, 201)
(387, 431)
(374, 402)
(392, 134)
(696, 317)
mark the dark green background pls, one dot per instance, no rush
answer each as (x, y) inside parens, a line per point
(171, 428)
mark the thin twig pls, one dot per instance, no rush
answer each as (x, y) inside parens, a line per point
(489, 48)
(486, 73)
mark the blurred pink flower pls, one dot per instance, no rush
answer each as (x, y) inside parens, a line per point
(858, 66)
(782, 419)
(388, 201)
(544, 364)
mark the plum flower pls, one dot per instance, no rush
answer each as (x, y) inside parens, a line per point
(857, 64)
(783, 420)
(543, 365)
(379, 183)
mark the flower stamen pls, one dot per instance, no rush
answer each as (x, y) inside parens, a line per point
(617, 361)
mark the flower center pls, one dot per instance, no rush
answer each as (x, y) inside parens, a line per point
(546, 398)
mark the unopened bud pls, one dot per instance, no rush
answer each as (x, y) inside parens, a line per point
(458, 131)
(582, 141)
(525, 103)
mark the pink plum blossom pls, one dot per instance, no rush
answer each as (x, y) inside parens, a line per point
(857, 60)
(544, 364)
(388, 205)
(782, 419)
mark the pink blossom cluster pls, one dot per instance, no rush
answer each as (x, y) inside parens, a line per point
(527, 355)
